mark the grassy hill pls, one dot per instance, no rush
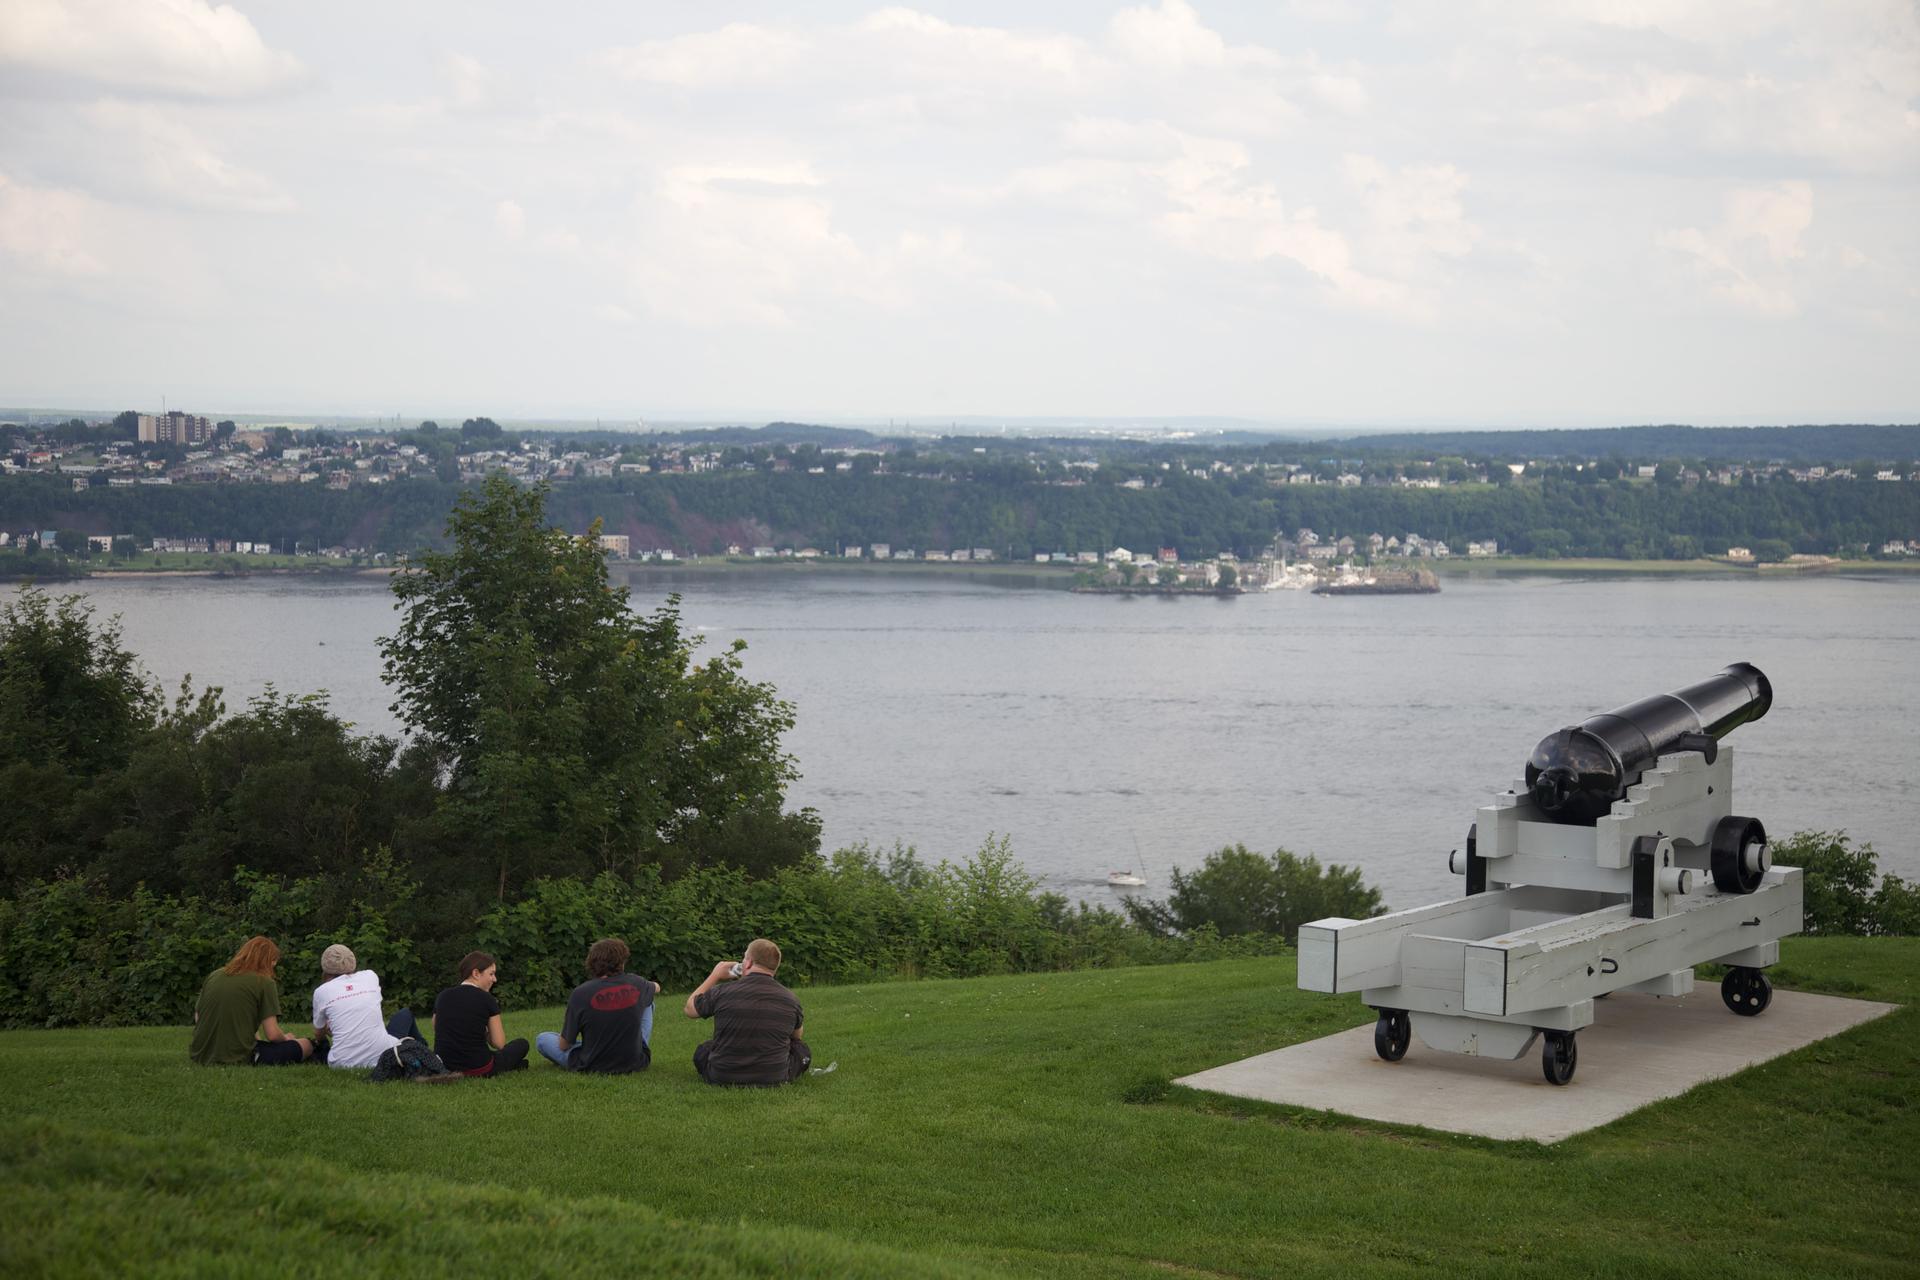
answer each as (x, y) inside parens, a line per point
(1010, 1126)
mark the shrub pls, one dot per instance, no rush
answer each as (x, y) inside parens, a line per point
(1237, 891)
(1841, 894)
(75, 952)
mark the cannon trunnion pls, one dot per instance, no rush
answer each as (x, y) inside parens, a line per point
(1569, 899)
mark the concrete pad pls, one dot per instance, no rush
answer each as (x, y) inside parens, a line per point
(1639, 1049)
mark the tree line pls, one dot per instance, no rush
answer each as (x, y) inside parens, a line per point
(1556, 515)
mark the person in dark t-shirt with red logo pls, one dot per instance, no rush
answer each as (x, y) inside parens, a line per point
(609, 1022)
(756, 1022)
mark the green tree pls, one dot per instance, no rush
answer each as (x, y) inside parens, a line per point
(1229, 577)
(70, 696)
(73, 706)
(578, 736)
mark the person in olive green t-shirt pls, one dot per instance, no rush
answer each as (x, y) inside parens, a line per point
(237, 1018)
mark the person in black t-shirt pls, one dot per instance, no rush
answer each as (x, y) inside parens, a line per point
(466, 1023)
(757, 1022)
(609, 1026)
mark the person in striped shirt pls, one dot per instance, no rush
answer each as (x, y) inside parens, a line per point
(757, 1023)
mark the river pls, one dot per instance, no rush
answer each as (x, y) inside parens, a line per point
(1118, 732)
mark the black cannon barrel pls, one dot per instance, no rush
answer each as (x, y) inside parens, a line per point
(1576, 774)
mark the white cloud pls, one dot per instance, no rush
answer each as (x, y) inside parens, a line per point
(168, 46)
(1251, 223)
(177, 165)
(339, 276)
(441, 283)
(947, 56)
(1828, 84)
(758, 244)
(1414, 211)
(1747, 259)
(1344, 93)
(1203, 194)
(47, 230)
(1169, 38)
(734, 242)
(1211, 205)
(509, 219)
(736, 54)
(471, 86)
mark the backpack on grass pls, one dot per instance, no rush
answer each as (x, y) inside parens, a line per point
(410, 1060)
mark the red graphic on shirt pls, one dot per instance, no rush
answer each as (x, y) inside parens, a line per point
(611, 999)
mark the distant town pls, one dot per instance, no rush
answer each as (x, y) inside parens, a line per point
(147, 451)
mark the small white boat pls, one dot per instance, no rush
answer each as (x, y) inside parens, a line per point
(1124, 880)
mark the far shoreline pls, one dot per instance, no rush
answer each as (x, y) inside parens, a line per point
(1057, 576)
(1669, 568)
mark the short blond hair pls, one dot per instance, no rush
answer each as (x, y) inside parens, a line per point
(764, 954)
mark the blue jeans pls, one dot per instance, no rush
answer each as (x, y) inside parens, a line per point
(547, 1043)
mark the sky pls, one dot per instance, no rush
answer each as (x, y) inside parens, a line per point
(1482, 212)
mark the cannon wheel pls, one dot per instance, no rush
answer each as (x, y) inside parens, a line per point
(1746, 991)
(1392, 1034)
(1559, 1057)
(1731, 836)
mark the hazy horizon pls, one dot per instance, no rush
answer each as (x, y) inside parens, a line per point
(931, 425)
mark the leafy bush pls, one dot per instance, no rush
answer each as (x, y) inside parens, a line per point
(1237, 891)
(74, 952)
(1842, 896)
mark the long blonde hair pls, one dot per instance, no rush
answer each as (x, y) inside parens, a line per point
(257, 954)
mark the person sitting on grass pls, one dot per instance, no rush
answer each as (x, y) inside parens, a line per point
(347, 1007)
(237, 1017)
(466, 1023)
(609, 1025)
(757, 1022)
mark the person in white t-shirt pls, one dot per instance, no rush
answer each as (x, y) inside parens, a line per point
(347, 1007)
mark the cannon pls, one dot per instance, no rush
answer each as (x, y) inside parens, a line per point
(1616, 863)
(1575, 775)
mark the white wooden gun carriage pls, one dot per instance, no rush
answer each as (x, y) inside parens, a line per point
(1617, 864)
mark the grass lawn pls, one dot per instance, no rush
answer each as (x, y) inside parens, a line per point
(1014, 1126)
